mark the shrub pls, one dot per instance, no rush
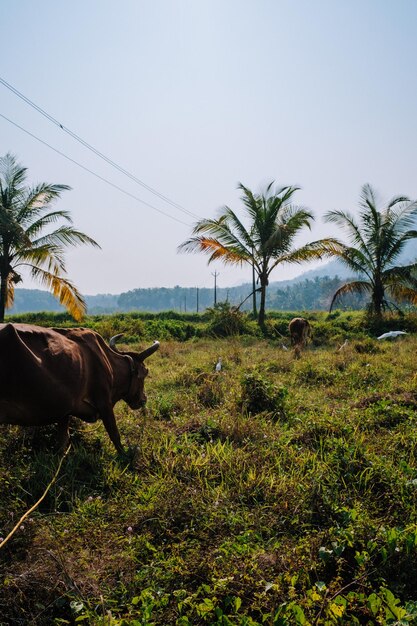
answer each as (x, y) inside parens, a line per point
(226, 320)
(211, 393)
(367, 346)
(260, 394)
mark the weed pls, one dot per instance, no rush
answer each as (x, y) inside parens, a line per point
(259, 395)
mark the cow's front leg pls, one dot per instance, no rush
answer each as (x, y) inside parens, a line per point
(109, 421)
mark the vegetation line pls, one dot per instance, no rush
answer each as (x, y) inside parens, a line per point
(43, 496)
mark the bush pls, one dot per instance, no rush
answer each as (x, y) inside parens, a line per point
(226, 320)
(259, 395)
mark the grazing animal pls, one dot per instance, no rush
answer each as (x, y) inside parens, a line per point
(300, 330)
(48, 375)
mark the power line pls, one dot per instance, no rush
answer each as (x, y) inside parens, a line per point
(95, 150)
(127, 193)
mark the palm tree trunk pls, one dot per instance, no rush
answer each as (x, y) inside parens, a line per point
(378, 298)
(255, 312)
(261, 317)
(3, 295)
(4, 273)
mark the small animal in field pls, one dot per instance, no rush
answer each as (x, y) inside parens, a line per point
(218, 367)
(343, 346)
(48, 375)
(300, 331)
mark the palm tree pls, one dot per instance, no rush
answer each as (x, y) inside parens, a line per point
(24, 215)
(377, 239)
(273, 223)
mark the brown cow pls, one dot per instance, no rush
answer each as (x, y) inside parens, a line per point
(48, 375)
(300, 331)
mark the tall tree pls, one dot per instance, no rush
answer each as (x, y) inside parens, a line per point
(267, 240)
(25, 242)
(377, 239)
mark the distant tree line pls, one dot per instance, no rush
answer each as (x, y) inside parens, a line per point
(309, 294)
(315, 294)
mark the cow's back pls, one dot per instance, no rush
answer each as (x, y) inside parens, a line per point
(33, 359)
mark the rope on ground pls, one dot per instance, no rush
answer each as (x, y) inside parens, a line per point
(32, 508)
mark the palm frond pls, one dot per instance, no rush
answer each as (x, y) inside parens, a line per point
(46, 256)
(69, 236)
(10, 287)
(216, 250)
(236, 229)
(347, 222)
(11, 172)
(403, 274)
(371, 218)
(320, 249)
(358, 286)
(250, 201)
(62, 289)
(402, 293)
(36, 200)
(220, 230)
(45, 220)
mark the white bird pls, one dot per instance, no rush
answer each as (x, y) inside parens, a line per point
(392, 334)
(343, 346)
(284, 347)
(218, 365)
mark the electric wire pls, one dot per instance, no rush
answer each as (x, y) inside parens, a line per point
(108, 182)
(95, 150)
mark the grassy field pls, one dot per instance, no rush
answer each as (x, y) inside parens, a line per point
(277, 491)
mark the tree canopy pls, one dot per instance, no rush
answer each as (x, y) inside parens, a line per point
(376, 241)
(264, 238)
(26, 240)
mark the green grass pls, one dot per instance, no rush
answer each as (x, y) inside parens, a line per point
(279, 491)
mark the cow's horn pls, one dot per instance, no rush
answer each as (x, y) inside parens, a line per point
(112, 342)
(144, 355)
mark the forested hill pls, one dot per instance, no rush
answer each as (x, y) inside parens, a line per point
(311, 293)
(287, 295)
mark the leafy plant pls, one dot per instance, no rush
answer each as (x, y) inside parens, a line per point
(259, 394)
(226, 320)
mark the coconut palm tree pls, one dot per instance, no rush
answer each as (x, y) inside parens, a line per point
(273, 222)
(377, 239)
(25, 242)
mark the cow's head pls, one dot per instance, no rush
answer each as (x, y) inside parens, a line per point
(135, 395)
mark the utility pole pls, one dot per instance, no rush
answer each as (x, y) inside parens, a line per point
(185, 303)
(197, 299)
(215, 274)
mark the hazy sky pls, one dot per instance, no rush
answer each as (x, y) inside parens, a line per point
(193, 96)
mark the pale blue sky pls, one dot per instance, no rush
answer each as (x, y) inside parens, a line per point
(193, 96)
